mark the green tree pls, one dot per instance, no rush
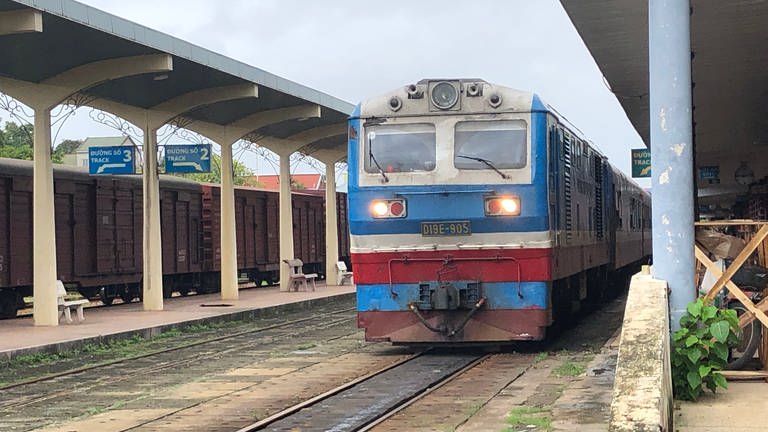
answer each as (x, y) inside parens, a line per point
(65, 147)
(16, 141)
(242, 174)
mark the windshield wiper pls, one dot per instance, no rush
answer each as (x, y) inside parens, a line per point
(485, 161)
(381, 171)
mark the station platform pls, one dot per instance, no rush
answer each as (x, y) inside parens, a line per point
(737, 408)
(20, 336)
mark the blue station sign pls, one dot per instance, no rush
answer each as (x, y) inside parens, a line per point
(188, 158)
(111, 160)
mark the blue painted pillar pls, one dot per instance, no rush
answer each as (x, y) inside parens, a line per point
(672, 150)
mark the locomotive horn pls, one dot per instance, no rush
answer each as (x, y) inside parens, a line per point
(414, 92)
(474, 90)
(395, 103)
(495, 100)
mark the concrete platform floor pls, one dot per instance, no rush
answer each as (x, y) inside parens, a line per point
(21, 336)
(742, 407)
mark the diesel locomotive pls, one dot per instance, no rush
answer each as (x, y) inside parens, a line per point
(477, 214)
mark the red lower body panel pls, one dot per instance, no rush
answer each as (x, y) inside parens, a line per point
(488, 265)
(484, 326)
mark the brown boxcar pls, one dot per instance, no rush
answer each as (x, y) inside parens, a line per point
(97, 241)
(258, 231)
(99, 234)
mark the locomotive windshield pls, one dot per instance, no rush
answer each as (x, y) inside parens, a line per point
(500, 143)
(400, 148)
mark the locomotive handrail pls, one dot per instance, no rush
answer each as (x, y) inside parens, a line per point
(446, 191)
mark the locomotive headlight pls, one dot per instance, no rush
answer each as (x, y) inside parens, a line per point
(502, 206)
(379, 208)
(510, 205)
(444, 95)
(388, 208)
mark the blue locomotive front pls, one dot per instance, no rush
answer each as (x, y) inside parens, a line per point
(459, 230)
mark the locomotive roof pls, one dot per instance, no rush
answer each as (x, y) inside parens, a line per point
(512, 100)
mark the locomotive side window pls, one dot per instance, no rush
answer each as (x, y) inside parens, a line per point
(503, 144)
(400, 148)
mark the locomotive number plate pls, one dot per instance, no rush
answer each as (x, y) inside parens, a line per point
(452, 228)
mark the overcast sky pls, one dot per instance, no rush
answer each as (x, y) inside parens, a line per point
(354, 50)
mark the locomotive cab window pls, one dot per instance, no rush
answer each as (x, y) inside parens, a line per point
(400, 148)
(490, 145)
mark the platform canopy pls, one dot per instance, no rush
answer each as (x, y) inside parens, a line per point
(48, 37)
(729, 69)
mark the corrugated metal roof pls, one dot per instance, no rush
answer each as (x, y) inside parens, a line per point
(729, 65)
(75, 34)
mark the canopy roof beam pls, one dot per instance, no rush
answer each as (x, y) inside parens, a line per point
(227, 136)
(42, 97)
(151, 120)
(21, 21)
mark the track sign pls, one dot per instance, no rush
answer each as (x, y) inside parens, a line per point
(111, 160)
(641, 163)
(188, 158)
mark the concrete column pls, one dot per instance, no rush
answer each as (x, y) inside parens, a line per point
(42, 96)
(672, 150)
(286, 220)
(153, 250)
(331, 225)
(229, 289)
(45, 308)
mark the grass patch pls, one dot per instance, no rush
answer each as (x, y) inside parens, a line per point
(529, 415)
(135, 345)
(306, 346)
(174, 332)
(540, 357)
(569, 369)
(33, 359)
(472, 409)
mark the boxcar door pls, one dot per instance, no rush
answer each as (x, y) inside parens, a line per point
(106, 255)
(65, 242)
(124, 227)
(20, 259)
(85, 228)
(249, 222)
(273, 229)
(260, 230)
(182, 236)
(240, 231)
(5, 212)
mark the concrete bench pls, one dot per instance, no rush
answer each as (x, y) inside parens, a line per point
(342, 275)
(298, 277)
(65, 307)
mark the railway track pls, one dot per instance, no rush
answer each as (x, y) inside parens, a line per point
(309, 376)
(39, 390)
(361, 404)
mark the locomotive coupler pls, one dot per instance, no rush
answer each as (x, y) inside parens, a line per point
(443, 329)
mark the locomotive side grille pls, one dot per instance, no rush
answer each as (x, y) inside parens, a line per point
(425, 296)
(567, 186)
(599, 197)
(471, 295)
